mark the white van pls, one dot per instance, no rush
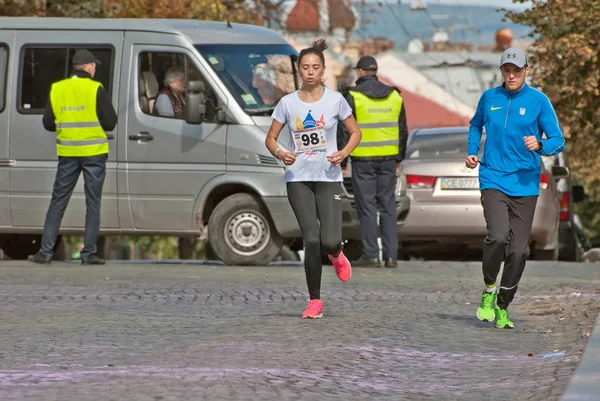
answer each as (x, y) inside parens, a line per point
(208, 173)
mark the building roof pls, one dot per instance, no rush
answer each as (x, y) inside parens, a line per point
(436, 59)
(425, 113)
(402, 75)
(342, 15)
(465, 75)
(200, 32)
(319, 16)
(304, 17)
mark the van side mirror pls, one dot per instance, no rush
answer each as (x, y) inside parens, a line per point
(223, 117)
(559, 172)
(578, 193)
(195, 109)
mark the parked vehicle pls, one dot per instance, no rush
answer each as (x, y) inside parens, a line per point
(352, 244)
(446, 212)
(208, 174)
(582, 237)
(569, 235)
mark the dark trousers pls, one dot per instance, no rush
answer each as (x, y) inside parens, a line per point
(374, 184)
(509, 221)
(67, 174)
(318, 208)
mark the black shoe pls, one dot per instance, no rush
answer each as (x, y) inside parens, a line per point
(391, 263)
(366, 262)
(92, 260)
(39, 259)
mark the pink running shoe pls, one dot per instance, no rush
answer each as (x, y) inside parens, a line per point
(343, 269)
(314, 310)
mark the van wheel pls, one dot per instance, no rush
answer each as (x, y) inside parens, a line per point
(19, 246)
(241, 233)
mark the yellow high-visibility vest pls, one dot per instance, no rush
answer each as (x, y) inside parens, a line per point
(378, 122)
(78, 130)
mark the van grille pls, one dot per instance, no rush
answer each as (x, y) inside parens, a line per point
(267, 160)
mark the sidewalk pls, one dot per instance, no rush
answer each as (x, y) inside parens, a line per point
(585, 383)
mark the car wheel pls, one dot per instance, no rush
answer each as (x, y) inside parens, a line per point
(569, 255)
(403, 253)
(241, 233)
(19, 246)
(570, 247)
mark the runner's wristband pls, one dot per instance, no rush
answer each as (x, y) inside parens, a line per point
(277, 151)
(540, 145)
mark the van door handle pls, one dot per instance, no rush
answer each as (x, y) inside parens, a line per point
(142, 136)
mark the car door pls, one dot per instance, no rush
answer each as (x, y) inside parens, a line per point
(7, 39)
(167, 161)
(45, 57)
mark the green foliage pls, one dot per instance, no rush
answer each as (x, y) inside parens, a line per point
(146, 247)
(211, 10)
(566, 66)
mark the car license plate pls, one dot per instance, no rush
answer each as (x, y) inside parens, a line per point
(460, 183)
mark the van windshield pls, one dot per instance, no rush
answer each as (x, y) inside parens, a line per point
(256, 75)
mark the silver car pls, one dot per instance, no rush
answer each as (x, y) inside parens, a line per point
(446, 216)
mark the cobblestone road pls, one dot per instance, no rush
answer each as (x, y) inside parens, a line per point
(177, 332)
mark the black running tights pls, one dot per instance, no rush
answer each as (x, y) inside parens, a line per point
(318, 208)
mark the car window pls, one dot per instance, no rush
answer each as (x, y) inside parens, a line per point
(153, 68)
(3, 70)
(446, 145)
(43, 66)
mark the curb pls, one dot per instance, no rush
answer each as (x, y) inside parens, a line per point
(585, 383)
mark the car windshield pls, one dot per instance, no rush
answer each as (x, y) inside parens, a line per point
(446, 145)
(256, 75)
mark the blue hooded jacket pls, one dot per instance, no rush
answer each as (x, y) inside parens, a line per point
(508, 117)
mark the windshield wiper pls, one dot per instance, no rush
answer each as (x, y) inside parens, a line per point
(261, 111)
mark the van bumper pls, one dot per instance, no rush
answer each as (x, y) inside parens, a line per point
(285, 222)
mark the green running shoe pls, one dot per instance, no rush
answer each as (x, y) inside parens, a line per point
(485, 312)
(502, 321)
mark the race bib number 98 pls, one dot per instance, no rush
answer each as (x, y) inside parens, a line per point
(310, 140)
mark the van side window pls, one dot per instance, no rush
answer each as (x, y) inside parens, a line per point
(3, 73)
(41, 66)
(162, 77)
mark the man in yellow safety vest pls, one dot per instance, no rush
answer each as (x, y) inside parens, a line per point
(80, 112)
(380, 113)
